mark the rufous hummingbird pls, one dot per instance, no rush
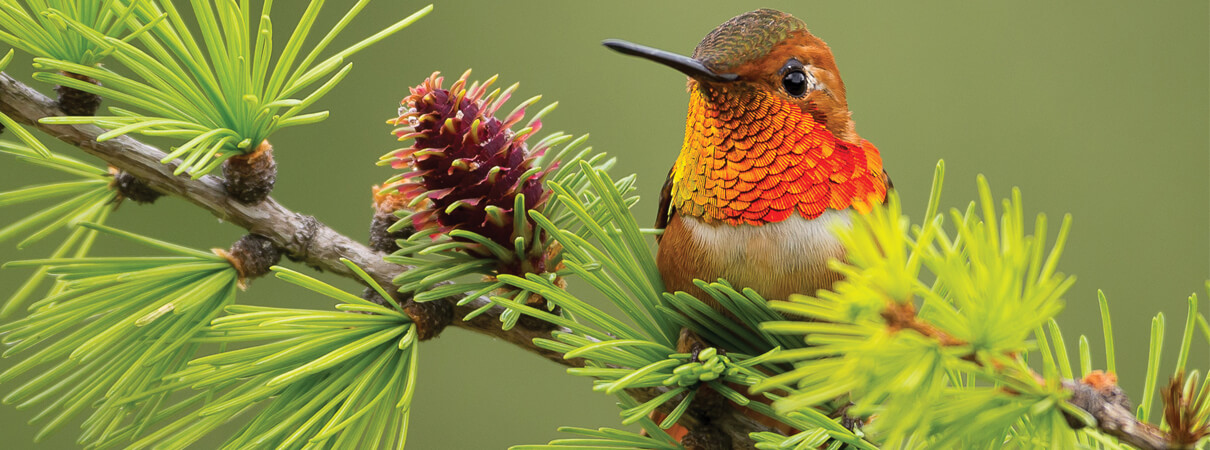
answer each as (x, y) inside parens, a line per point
(770, 161)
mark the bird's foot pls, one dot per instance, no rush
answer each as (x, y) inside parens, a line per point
(849, 422)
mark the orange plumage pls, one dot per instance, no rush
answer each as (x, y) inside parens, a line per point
(754, 158)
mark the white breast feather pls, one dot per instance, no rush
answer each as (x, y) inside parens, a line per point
(790, 244)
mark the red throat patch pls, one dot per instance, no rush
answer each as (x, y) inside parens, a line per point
(758, 158)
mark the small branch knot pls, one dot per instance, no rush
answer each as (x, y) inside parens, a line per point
(1106, 384)
(75, 102)
(386, 203)
(249, 178)
(381, 238)
(430, 318)
(252, 256)
(131, 187)
(1108, 405)
(304, 239)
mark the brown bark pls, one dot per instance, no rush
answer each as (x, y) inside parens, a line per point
(1115, 418)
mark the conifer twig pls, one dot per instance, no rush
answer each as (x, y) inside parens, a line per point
(302, 237)
(1107, 404)
(1097, 394)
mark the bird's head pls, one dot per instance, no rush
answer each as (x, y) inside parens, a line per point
(768, 134)
(758, 55)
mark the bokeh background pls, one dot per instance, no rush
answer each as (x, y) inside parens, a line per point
(1098, 109)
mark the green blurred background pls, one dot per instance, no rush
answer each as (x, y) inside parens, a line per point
(1100, 109)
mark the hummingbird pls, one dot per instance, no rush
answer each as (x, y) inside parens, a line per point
(771, 161)
(770, 164)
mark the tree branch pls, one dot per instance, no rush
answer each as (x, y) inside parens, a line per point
(1109, 406)
(302, 237)
(1098, 394)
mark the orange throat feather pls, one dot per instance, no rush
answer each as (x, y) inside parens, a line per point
(755, 158)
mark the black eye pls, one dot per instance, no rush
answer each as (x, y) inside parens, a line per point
(795, 79)
(795, 82)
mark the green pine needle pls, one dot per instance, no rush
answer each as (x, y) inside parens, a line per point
(112, 328)
(85, 199)
(15, 128)
(58, 28)
(994, 283)
(1153, 367)
(325, 378)
(605, 438)
(213, 90)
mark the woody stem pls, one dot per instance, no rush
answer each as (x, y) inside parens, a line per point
(1105, 404)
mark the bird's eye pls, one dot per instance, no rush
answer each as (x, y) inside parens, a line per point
(795, 79)
(795, 82)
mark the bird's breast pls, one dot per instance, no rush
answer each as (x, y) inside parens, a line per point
(776, 259)
(753, 158)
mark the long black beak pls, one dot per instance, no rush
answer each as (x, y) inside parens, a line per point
(685, 64)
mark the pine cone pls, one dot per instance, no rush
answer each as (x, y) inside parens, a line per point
(466, 167)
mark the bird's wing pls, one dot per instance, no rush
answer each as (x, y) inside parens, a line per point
(666, 210)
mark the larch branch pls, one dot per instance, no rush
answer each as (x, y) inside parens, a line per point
(304, 238)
